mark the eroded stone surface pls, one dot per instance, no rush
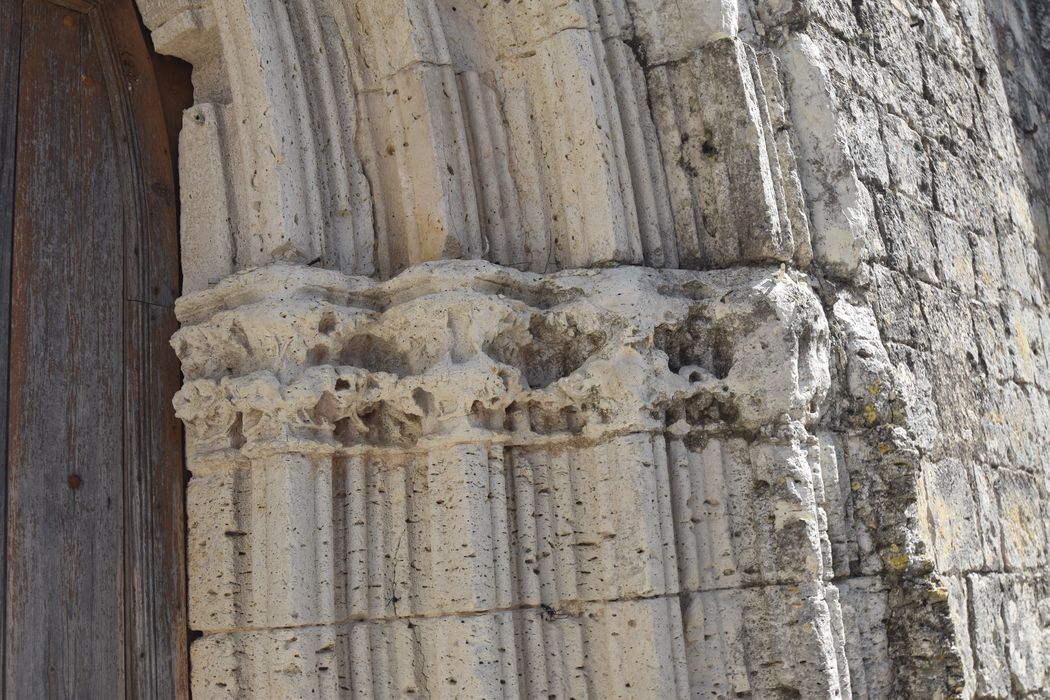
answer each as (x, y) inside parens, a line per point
(376, 463)
(467, 439)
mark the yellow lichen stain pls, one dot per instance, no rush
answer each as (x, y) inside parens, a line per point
(855, 486)
(883, 448)
(875, 388)
(937, 595)
(870, 414)
(898, 562)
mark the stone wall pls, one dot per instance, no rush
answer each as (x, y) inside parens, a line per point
(616, 348)
(939, 408)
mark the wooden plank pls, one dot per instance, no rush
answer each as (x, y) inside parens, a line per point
(156, 621)
(10, 50)
(152, 243)
(96, 560)
(155, 615)
(65, 601)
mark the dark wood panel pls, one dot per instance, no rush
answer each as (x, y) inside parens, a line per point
(155, 555)
(96, 577)
(65, 597)
(150, 203)
(10, 53)
(155, 616)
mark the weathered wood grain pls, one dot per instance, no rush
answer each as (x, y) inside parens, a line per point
(96, 598)
(154, 472)
(156, 615)
(10, 49)
(66, 502)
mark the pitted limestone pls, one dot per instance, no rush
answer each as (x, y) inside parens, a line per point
(594, 436)
(466, 439)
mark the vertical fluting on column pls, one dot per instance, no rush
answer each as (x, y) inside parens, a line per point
(474, 481)
(269, 165)
(467, 480)
(370, 136)
(558, 135)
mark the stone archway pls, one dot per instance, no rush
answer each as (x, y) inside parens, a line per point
(447, 441)
(408, 485)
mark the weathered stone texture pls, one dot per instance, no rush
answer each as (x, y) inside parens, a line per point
(954, 275)
(383, 459)
(447, 441)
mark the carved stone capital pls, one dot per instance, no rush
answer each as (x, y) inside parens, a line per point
(295, 359)
(468, 443)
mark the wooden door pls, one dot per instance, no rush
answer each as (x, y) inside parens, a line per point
(94, 591)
